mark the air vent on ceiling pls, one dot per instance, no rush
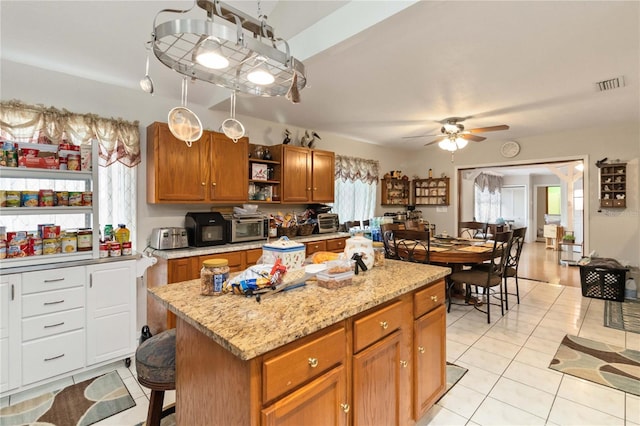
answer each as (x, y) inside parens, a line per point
(612, 83)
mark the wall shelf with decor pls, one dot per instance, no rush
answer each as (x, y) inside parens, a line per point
(264, 174)
(395, 192)
(431, 191)
(613, 185)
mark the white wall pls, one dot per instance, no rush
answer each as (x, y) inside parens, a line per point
(612, 233)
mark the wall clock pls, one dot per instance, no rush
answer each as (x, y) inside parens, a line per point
(510, 149)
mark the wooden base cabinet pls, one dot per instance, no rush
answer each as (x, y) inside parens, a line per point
(430, 373)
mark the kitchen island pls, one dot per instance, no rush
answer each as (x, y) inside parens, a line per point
(369, 353)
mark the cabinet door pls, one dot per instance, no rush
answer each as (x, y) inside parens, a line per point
(183, 269)
(323, 176)
(111, 311)
(10, 356)
(430, 360)
(315, 246)
(296, 174)
(252, 257)
(175, 173)
(377, 383)
(321, 402)
(229, 172)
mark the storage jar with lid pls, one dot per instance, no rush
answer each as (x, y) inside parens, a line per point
(361, 245)
(378, 253)
(213, 274)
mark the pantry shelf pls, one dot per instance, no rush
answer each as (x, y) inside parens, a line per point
(12, 211)
(20, 172)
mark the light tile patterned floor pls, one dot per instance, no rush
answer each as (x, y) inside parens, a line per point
(508, 382)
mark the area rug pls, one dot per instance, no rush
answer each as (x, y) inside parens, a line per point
(622, 315)
(81, 404)
(597, 362)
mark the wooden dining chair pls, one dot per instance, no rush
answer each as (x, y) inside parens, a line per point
(511, 265)
(411, 245)
(414, 225)
(473, 229)
(487, 276)
(387, 230)
(351, 224)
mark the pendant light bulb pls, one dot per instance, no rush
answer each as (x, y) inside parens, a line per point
(260, 74)
(210, 55)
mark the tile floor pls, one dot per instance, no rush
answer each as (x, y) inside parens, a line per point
(508, 382)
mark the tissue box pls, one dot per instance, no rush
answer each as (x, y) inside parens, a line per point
(290, 253)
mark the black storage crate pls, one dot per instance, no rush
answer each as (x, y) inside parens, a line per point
(603, 278)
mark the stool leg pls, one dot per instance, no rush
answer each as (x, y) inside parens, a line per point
(155, 408)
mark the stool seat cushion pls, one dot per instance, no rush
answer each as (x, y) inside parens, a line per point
(156, 358)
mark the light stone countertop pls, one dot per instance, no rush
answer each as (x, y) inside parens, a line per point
(248, 329)
(226, 248)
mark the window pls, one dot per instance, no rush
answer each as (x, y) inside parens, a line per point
(553, 200)
(356, 187)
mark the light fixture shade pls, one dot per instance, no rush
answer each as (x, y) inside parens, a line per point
(260, 76)
(461, 143)
(448, 145)
(209, 54)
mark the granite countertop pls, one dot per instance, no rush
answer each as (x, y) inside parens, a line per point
(248, 329)
(226, 248)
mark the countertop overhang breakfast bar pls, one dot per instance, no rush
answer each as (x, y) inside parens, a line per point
(278, 361)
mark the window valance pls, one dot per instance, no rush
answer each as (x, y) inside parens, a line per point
(119, 140)
(353, 169)
(486, 181)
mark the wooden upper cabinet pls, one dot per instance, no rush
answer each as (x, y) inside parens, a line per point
(211, 170)
(307, 175)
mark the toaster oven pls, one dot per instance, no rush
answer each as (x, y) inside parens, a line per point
(327, 222)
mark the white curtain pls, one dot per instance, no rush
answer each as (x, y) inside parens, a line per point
(488, 199)
(356, 181)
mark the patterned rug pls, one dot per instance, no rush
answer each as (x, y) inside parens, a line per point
(82, 404)
(597, 362)
(622, 315)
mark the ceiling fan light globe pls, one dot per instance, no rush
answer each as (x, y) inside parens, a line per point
(461, 143)
(448, 145)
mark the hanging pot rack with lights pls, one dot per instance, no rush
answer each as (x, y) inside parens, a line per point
(243, 49)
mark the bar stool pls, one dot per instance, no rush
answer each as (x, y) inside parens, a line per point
(156, 368)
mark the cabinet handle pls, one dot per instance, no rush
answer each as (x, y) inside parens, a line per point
(308, 189)
(213, 184)
(54, 325)
(54, 303)
(313, 362)
(13, 292)
(404, 363)
(434, 298)
(54, 280)
(421, 349)
(345, 407)
(202, 183)
(315, 189)
(55, 357)
(384, 325)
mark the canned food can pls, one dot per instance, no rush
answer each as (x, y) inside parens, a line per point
(87, 198)
(3, 198)
(50, 246)
(35, 246)
(69, 243)
(104, 250)
(114, 249)
(127, 249)
(29, 199)
(45, 198)
(13, 198)
(62, 163)
(49, 231)
(3, 249)
(85, 239)
(75, 198)
(62, 198)
(73, 162)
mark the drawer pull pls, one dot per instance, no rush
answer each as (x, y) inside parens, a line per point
(54, 303)
(345, 407)
(384, 325)
(54, 280)
(421, 349)
(54, 325)
(434, 298)
(55, 357)
(404, 364)
(313, 362)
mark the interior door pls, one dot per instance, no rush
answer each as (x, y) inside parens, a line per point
(514, 206)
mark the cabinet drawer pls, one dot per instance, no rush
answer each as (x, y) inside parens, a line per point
(48, 325)
(316, 246)
(427, 299)
(376, 325)
(49, 302)
(235, 259)
(336, 245)
(287, 370)
(50, 356)
(53, 279)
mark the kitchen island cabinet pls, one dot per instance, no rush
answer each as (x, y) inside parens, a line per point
(306, 353)
(213, 169)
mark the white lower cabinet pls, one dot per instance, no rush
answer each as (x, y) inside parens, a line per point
(111, 311)
(61, 321)
(9, 332)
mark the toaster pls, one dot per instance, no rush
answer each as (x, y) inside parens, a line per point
(168, 238)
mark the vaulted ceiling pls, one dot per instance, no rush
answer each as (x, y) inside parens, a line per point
(378, 71)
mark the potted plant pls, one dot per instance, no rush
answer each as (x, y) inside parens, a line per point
(569, 237)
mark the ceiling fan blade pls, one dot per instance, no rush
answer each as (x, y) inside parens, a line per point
(435, 141)
(488, 129)
(471, 137)
(419, 136)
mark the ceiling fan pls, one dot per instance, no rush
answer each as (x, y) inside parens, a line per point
(453, 136)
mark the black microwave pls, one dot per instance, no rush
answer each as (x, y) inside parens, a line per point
(206, 229)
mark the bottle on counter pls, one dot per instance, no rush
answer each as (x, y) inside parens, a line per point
(108, 233)
(630, 289)
(122, 233)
